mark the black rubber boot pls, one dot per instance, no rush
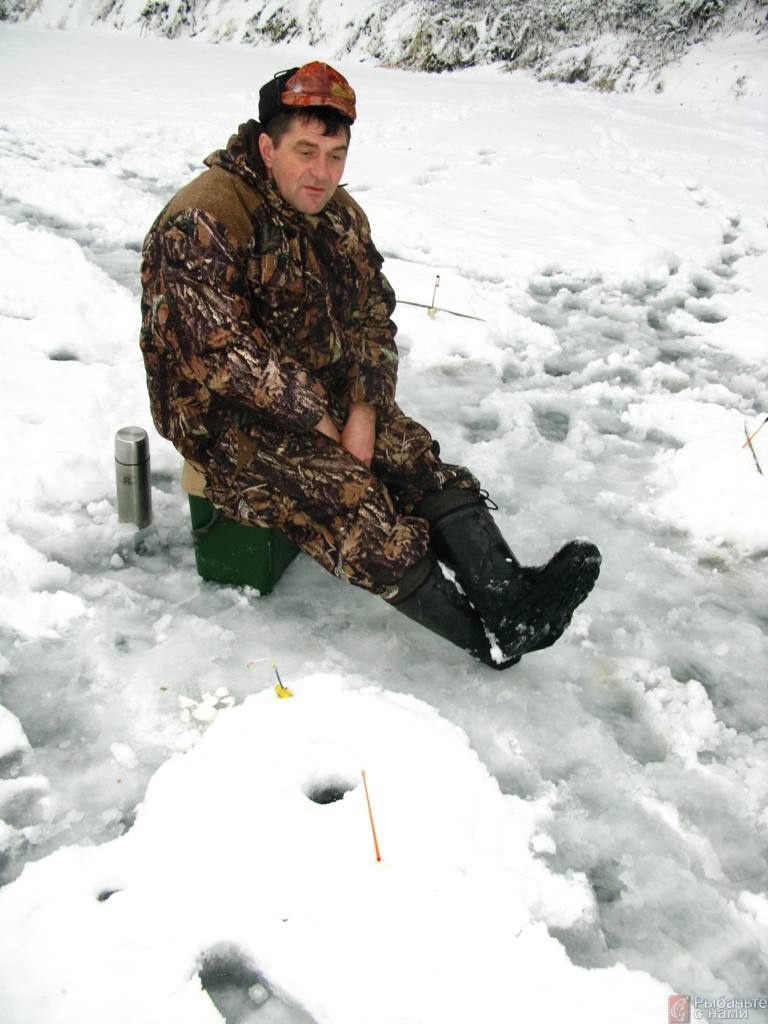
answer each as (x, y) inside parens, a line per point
(427, 597)
(524, 608)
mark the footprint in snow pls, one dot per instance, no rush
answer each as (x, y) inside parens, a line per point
(21, 794)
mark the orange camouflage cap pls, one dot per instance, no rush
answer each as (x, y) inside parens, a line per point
(312, 85)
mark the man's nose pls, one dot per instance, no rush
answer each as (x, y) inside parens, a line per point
(321, 168)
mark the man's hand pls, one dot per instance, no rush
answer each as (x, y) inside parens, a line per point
(328, 427)
(359, 433)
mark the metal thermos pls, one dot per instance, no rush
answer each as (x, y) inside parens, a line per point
(134, 493)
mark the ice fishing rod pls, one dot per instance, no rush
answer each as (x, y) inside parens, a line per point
(433, 310)
(439, 309)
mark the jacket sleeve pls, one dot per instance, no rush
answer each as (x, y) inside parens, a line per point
(372, 373)
(204, 314)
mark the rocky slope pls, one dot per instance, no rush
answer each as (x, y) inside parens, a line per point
(611, 44)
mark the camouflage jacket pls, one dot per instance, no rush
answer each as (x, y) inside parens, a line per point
(251, 309)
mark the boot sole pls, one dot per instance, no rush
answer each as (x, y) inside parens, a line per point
(537, 621)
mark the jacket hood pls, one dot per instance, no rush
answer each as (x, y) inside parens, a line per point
(242, 155)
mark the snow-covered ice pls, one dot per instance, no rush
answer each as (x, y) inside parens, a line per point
(574, 838)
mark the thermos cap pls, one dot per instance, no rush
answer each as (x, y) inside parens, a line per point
(131, 446)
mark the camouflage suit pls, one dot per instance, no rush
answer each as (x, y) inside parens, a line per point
(257, 319)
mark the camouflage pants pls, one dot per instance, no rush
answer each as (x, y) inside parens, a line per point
(355, 522)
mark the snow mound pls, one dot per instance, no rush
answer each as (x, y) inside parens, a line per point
(256, 848)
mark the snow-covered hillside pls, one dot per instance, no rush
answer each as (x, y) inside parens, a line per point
(574, 839)
(612, 44)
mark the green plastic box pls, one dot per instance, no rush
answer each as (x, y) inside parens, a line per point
(230, 552)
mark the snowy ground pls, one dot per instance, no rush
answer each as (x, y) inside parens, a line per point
(611, 801)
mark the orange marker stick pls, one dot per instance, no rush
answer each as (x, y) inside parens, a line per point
(370, 815)
(753, 436)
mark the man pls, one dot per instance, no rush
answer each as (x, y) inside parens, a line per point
(271, 365)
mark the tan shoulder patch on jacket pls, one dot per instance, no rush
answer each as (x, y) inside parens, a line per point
(224, 196)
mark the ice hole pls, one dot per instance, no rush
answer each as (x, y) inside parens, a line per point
(241, 994)
(328, 790)
(234, 986)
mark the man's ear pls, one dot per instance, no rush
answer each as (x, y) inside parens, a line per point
(266, 148)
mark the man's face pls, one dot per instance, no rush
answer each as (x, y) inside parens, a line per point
(306, 166)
